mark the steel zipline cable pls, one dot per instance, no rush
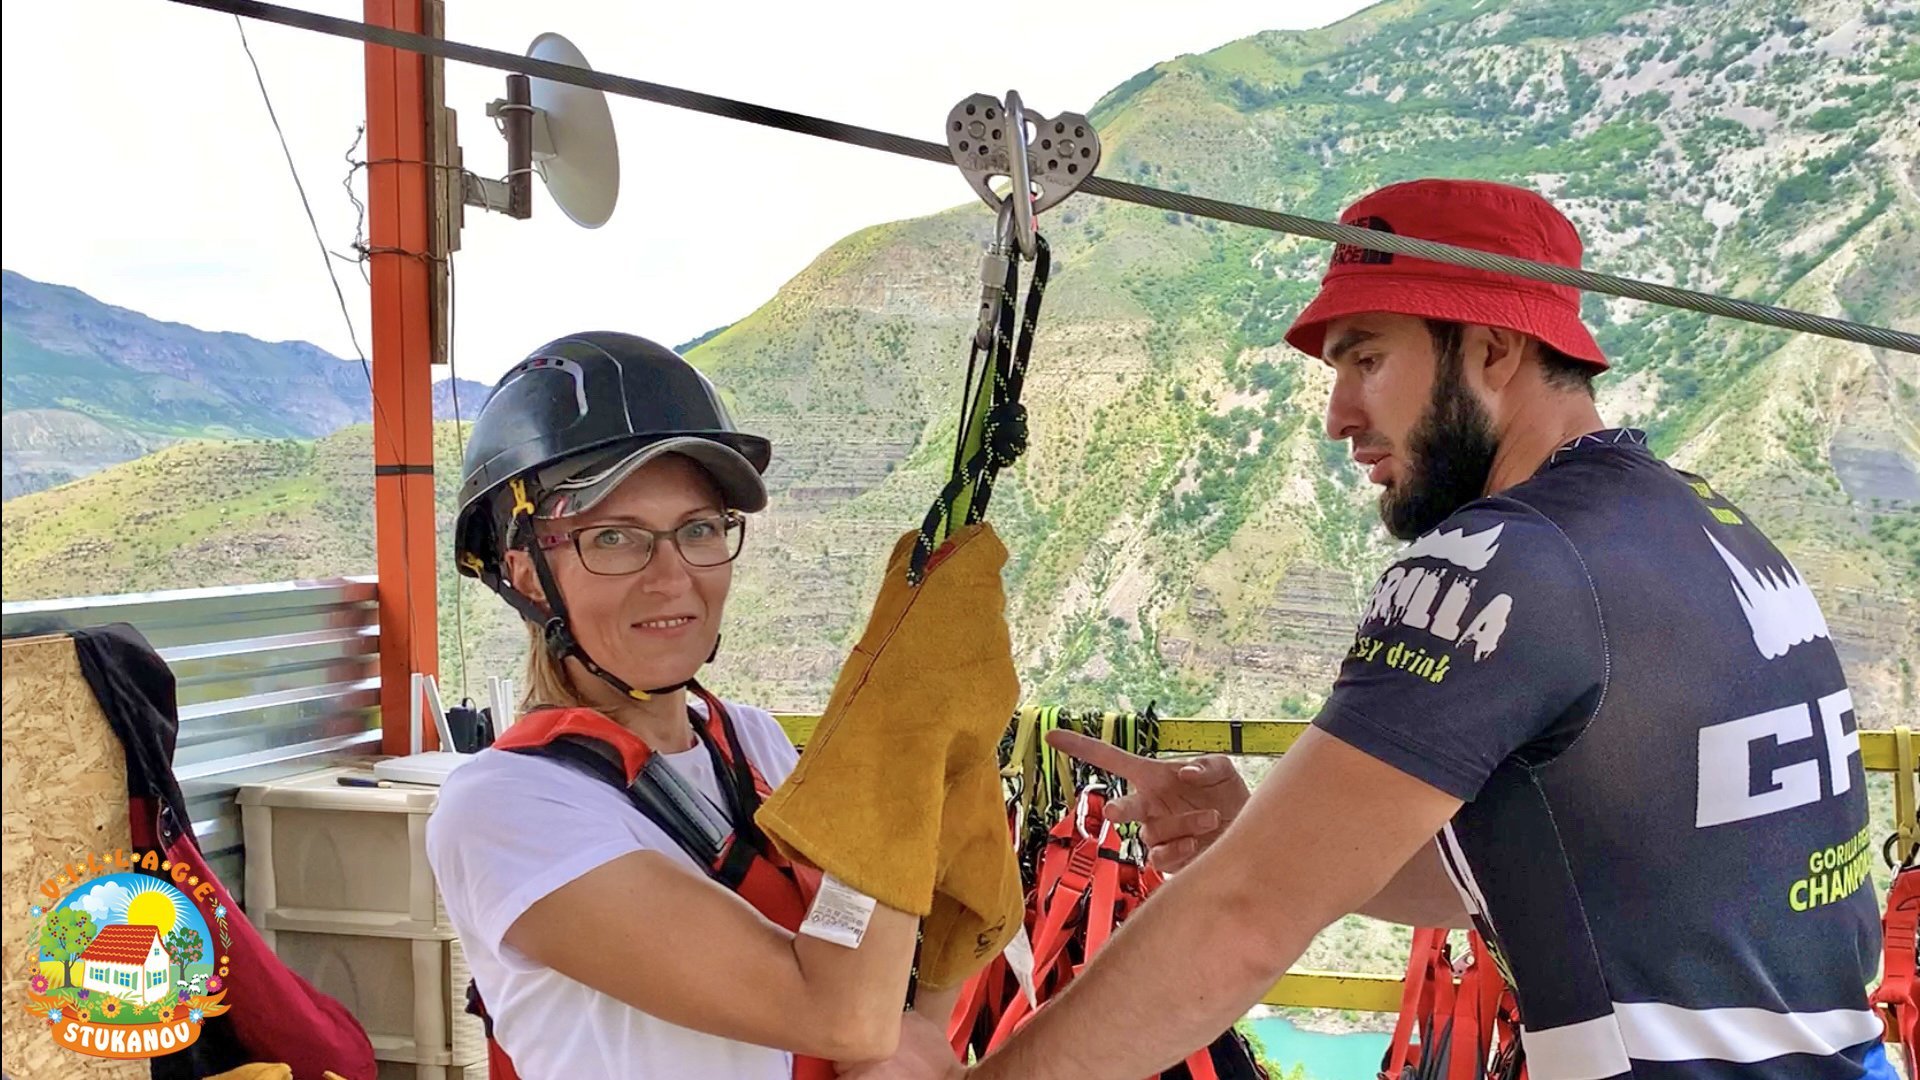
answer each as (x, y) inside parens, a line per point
(1272, 220)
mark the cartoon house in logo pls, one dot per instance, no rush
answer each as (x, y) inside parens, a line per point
(127, 960)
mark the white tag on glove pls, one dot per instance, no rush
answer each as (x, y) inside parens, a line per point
(840, 913)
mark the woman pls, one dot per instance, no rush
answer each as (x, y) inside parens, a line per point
(604, 497)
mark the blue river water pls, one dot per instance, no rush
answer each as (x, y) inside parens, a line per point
(1327, 1057)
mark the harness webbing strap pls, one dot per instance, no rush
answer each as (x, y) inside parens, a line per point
(1466, 1030)
(1062, 892)
(1085, 879)
(1898, 997)
(1415, 1000)
(672, 815)
(1106, 892)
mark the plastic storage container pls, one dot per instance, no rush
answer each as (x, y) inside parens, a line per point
(346, 855)
(407, 1070)
(409, 993)
(337, 880)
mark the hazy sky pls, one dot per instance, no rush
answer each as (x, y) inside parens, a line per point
(141, 167)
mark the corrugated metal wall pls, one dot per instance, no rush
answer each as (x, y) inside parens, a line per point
(274, 679)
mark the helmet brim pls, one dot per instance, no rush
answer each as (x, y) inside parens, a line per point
(581, 489)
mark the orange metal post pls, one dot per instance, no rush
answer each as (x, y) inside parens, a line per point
(399, 221)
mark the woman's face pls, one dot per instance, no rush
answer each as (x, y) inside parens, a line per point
(655, 627)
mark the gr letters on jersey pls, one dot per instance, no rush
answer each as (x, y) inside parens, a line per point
(1785, 757)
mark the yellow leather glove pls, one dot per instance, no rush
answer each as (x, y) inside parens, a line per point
(898, 792)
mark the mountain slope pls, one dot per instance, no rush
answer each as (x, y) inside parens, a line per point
(88, 384)
(1180, 531)
(66, 350)
(208, 512)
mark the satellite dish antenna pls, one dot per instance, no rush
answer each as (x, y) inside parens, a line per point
(577, 157)
(562, 132)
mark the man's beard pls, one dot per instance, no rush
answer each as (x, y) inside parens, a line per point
(1449, 456)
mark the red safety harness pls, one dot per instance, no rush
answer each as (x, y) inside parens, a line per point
(743, 860)
(1085, 886)
(1898, 997)
(1465, 1016)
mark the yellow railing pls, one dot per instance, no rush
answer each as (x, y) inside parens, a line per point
(1880, 751)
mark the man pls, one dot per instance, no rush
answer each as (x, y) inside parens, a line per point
(1590, 706)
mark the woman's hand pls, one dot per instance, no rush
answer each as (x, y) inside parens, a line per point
(1182, 806)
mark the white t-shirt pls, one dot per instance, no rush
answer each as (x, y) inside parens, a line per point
(510, 829)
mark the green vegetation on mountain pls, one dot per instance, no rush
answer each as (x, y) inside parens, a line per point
(1180, 529)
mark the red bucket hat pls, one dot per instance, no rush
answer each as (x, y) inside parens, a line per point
(1466, 213)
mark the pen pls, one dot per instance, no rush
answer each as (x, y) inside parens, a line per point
(362, 781)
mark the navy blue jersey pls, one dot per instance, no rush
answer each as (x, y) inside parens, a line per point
(1664, 834)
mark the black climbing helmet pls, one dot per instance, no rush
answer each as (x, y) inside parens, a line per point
(564, 428)
(579, 415)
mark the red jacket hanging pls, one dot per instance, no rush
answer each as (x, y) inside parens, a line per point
(282, 1017)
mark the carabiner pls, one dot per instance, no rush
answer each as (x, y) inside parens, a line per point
(1080, 814)
(1019, 172)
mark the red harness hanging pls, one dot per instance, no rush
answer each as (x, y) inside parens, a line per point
(1468, 1030)
(1084, 888)
(745, 863)
(1898, 997)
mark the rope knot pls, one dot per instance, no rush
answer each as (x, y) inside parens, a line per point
(1006, 433)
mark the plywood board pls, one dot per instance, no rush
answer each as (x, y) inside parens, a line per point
(63, 794)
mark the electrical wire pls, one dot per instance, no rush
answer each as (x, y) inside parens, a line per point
(327, 258)
(460, 449)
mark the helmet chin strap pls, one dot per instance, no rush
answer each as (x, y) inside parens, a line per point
(555, 629)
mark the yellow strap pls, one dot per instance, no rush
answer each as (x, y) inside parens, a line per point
(1043, 757)
(1062, 769)
(1046, 790)
(1019, 759)
(1903, 790)
(1122, 730)
(1019, 766)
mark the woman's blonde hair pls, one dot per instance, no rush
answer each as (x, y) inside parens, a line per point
(548, 683)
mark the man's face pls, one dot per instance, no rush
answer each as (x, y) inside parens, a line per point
(1415, 425)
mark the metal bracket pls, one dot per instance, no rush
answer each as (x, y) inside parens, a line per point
(989, 139)
(525, 129)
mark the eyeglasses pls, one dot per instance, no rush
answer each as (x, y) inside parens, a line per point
(616, 550)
